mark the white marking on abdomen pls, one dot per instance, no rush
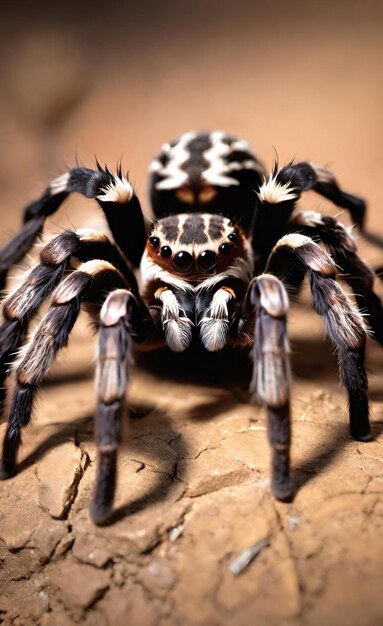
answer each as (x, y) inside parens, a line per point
(215, 174)
(174, 176)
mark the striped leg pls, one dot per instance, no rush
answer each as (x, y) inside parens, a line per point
(120, 320)
(264, 314)
(343, 323)
(324, 182)
(18, 247)
(305, 176)
(354, 270)
(89, 282)
(20, 306)
(279, 193)
(276, 201)
(114, 194)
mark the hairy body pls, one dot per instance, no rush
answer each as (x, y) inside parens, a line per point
(227, 247)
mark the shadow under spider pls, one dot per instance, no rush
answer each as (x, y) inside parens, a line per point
(81, 431)
(310, 467)
(230, 369)
(311, 359)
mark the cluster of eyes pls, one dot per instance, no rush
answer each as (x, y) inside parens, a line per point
(184, 262)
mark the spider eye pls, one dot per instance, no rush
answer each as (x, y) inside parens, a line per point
(207, 260)
(233, 237)
(183, 261)
(155, 241)
(225, 248)
(166, 251)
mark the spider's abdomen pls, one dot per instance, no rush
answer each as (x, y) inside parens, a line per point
(210, 172)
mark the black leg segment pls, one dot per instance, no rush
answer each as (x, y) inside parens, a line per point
(267, 304)
(50, 336)
(305, 176)
(114, 194)
(343, 322)
(55, 259)
(278, 195)
(122, 319)
(353, 269)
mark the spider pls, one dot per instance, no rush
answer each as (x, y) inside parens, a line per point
(227, 246)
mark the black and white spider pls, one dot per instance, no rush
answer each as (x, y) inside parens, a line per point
(215, 267)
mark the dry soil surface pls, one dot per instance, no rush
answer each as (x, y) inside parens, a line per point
(193, 484)
(193, 493)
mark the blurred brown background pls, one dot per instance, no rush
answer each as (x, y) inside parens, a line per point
(300, 78)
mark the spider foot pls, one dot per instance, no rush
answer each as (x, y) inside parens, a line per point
(100, 513)
(361, 436)
(360, 428)
(282, 489)
(101, 506)
(7, 470)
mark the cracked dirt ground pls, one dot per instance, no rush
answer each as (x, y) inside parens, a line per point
(193, 486)
(193, 492)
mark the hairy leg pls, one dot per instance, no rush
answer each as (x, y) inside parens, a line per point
(114, 194)
(353, 269)
(55, 258)
(343, 322)
(279, 194)
(50, 336)
(122, 321)
(263, 318)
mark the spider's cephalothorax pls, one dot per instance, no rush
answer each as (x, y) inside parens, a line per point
(215, 268)
(186, 257)
(195, 246)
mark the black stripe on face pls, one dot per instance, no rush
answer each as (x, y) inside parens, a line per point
(216, 228)
(193, 231)
(170, 228)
